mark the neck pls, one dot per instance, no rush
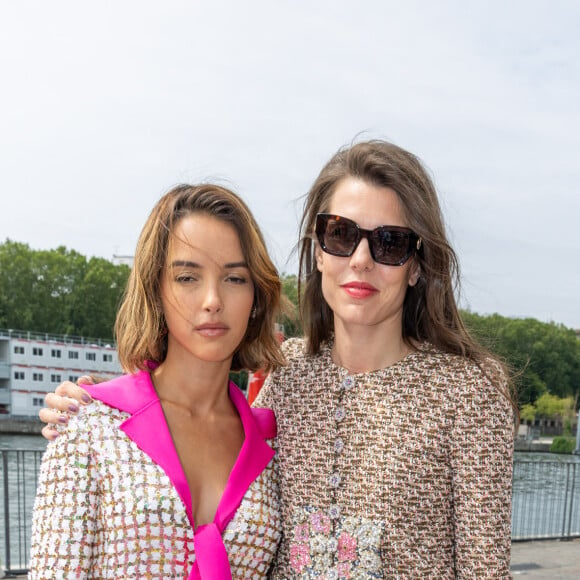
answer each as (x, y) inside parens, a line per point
(201, 388)
(361, 349)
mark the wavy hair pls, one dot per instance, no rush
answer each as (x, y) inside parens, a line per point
(140, 327)
(430, 311)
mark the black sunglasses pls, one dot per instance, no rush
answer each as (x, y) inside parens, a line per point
(390, 245)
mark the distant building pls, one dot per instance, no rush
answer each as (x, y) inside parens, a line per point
(33, 364)
(121, 259)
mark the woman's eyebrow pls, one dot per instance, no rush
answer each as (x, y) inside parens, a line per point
(184, 263)
(188, 264)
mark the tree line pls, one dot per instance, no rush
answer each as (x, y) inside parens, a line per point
(543, 356)
(60, 291)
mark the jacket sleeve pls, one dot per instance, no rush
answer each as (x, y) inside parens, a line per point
(266, 397)
(65, 510)
(271, 392)
(481, 459)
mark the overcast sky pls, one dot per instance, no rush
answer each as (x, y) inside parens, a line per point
(105, 105)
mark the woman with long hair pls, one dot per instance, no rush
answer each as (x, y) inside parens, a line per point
(395, 428)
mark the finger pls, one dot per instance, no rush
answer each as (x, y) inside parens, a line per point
(85, 380)
(64, 404)
(49, 432)
(72, 391)
(48, 415)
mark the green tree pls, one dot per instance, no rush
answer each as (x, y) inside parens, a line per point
(528, 412)
(290, 314)
(58, 291)
(57, 275)
(551, 406)
(16, 283)
(545, 356)
(97, 298)
(563, 444)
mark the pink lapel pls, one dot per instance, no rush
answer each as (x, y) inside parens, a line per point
(254, 456)
(147, 427)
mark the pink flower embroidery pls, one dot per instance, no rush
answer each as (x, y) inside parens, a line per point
(346, 548)
(301, 533)
(344, 570)
(299, 557)
(320, 522)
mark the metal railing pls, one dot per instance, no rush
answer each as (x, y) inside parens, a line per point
(546, 502)
(57, 338)
(19, 478)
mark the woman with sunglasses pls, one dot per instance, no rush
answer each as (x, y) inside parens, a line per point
(169, 473)
(395, 428)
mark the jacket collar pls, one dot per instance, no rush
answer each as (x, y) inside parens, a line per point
(147, 427)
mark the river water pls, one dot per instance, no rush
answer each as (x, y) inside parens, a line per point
(36, 442)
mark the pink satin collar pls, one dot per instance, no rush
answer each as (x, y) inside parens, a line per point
(135, 394)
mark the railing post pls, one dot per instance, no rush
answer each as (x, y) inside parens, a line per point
(563, 533)
(6, 510)
(574, 465)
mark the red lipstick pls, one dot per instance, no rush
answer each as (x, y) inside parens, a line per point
(359, 289)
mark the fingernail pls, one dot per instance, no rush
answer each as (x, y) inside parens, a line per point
(55, 435)
(86, 399)
(73, 408)
(63, 419)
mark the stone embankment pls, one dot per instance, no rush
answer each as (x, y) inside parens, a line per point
(17, 426)
(536, 445)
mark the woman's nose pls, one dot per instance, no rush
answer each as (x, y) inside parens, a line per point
(212, 300)
(361, 259)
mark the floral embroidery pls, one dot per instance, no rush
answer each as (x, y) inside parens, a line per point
(320, 522)
(299, 557)
(344, 570)
(301, 533)
(346, 547)
(353, 552)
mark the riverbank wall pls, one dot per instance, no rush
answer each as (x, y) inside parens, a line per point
(539, 446)
(20, 426)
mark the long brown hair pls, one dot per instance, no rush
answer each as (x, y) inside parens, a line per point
(430, 311)
(140, 326)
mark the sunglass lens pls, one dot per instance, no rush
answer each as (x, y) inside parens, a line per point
(340, 236)
(389, 247)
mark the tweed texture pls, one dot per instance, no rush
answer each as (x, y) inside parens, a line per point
(403, 472)
(104, 509)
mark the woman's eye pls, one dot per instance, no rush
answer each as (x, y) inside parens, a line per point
(236, 279)
(185, 278)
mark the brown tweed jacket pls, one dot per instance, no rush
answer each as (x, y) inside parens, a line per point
(399, 473)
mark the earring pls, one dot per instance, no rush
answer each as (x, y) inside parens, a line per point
(253, 313)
